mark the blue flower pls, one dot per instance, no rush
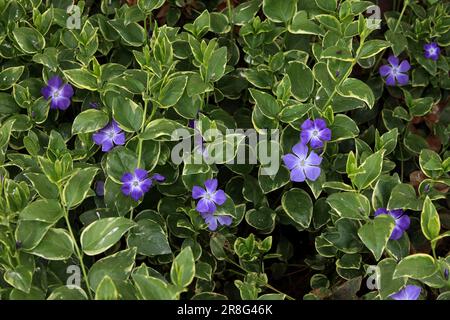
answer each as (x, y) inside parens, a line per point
(432, 51)
(409, 292)
(402, 221)
(209, 197)
(301, 164)
(59, 93)
(315, 132)
(395, 73)
(137, 184)
(109, 136)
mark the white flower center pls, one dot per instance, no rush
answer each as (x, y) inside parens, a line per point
(111, 134)
(432, 51)
(395, 71)
(135, 183)
(315, 133)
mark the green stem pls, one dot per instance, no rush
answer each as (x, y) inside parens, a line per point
(230, 14)
(78, 252)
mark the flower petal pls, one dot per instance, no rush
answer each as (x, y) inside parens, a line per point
(403, 222)
(300, 150)
(60, 103)
(320, 124)
(307, 124)
(290, 161)
(404, 66)
(198, 192)
(126, 189)
(98, 138)
(206, 205)
(211, 221)
(219, 197)
(396, 233)
(385, 70)
(107, 145)
(325, 134)
(146, 185)
(225, 220)
(55, 82)
(402, 79)
(380, 211)
(67, 91)
(158, 177)
(136, 193)
(396, 213)
(46, 92)
(312, 173)
(393, 60)
(127, 177)
(313, 159)
(390, 80)
(211, 185)
(297, 175)
(141, 174)
(119, 139)
(316, 142)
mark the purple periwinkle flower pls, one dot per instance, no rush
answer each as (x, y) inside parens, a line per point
(59, 93)
(315, 132)
(446, 273)
(402, 221)
(109, 136)
(100, 188)
(93, 105)
(302, 165)
(410, 292)
(395, 73)
(209, 197)
(137, 184)
(432, 51)
(213, 220)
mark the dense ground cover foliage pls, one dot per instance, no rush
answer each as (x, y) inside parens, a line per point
(116, 117)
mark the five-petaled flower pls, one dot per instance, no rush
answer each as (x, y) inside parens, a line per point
(109, 136)
(59, 93)
(395, 73)
(410, 292)
(432, 51)
(315, 132)
(213, 220)
(209, 197)
(137, 184)
(402, 221)
(301, 164)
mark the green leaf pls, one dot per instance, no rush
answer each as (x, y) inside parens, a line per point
(132, 33)
(302, 80)
(182, 271)
(302, 24)
(387, 284)
(294, 112)
(354, 88)
(20, 277)
(403, 196)
(161, 130)
(30, 233)
(56, 245)
(149, 239)
(350, 205)
(106, 290)
(78, 186)
(262, 218)
(375, 234)
(215, 66)
(151, 288)
(68, 293)
(9, 76)
(42, 185)
(343, 128)
(372, 47)
(117, 266)
(102, 234)
(148, 5)
(172, 91)
(128, 114)
(430, 163)
(327, 5)
(298, 206)
(429, 220)
(49, 211)
(28, 39)
(417, 266)
(89, 121)
(370, 170)
(82, 79)
(279, 11)
(339, 53)
(266, 103)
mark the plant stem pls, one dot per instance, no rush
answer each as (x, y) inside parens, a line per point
(78, 252)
